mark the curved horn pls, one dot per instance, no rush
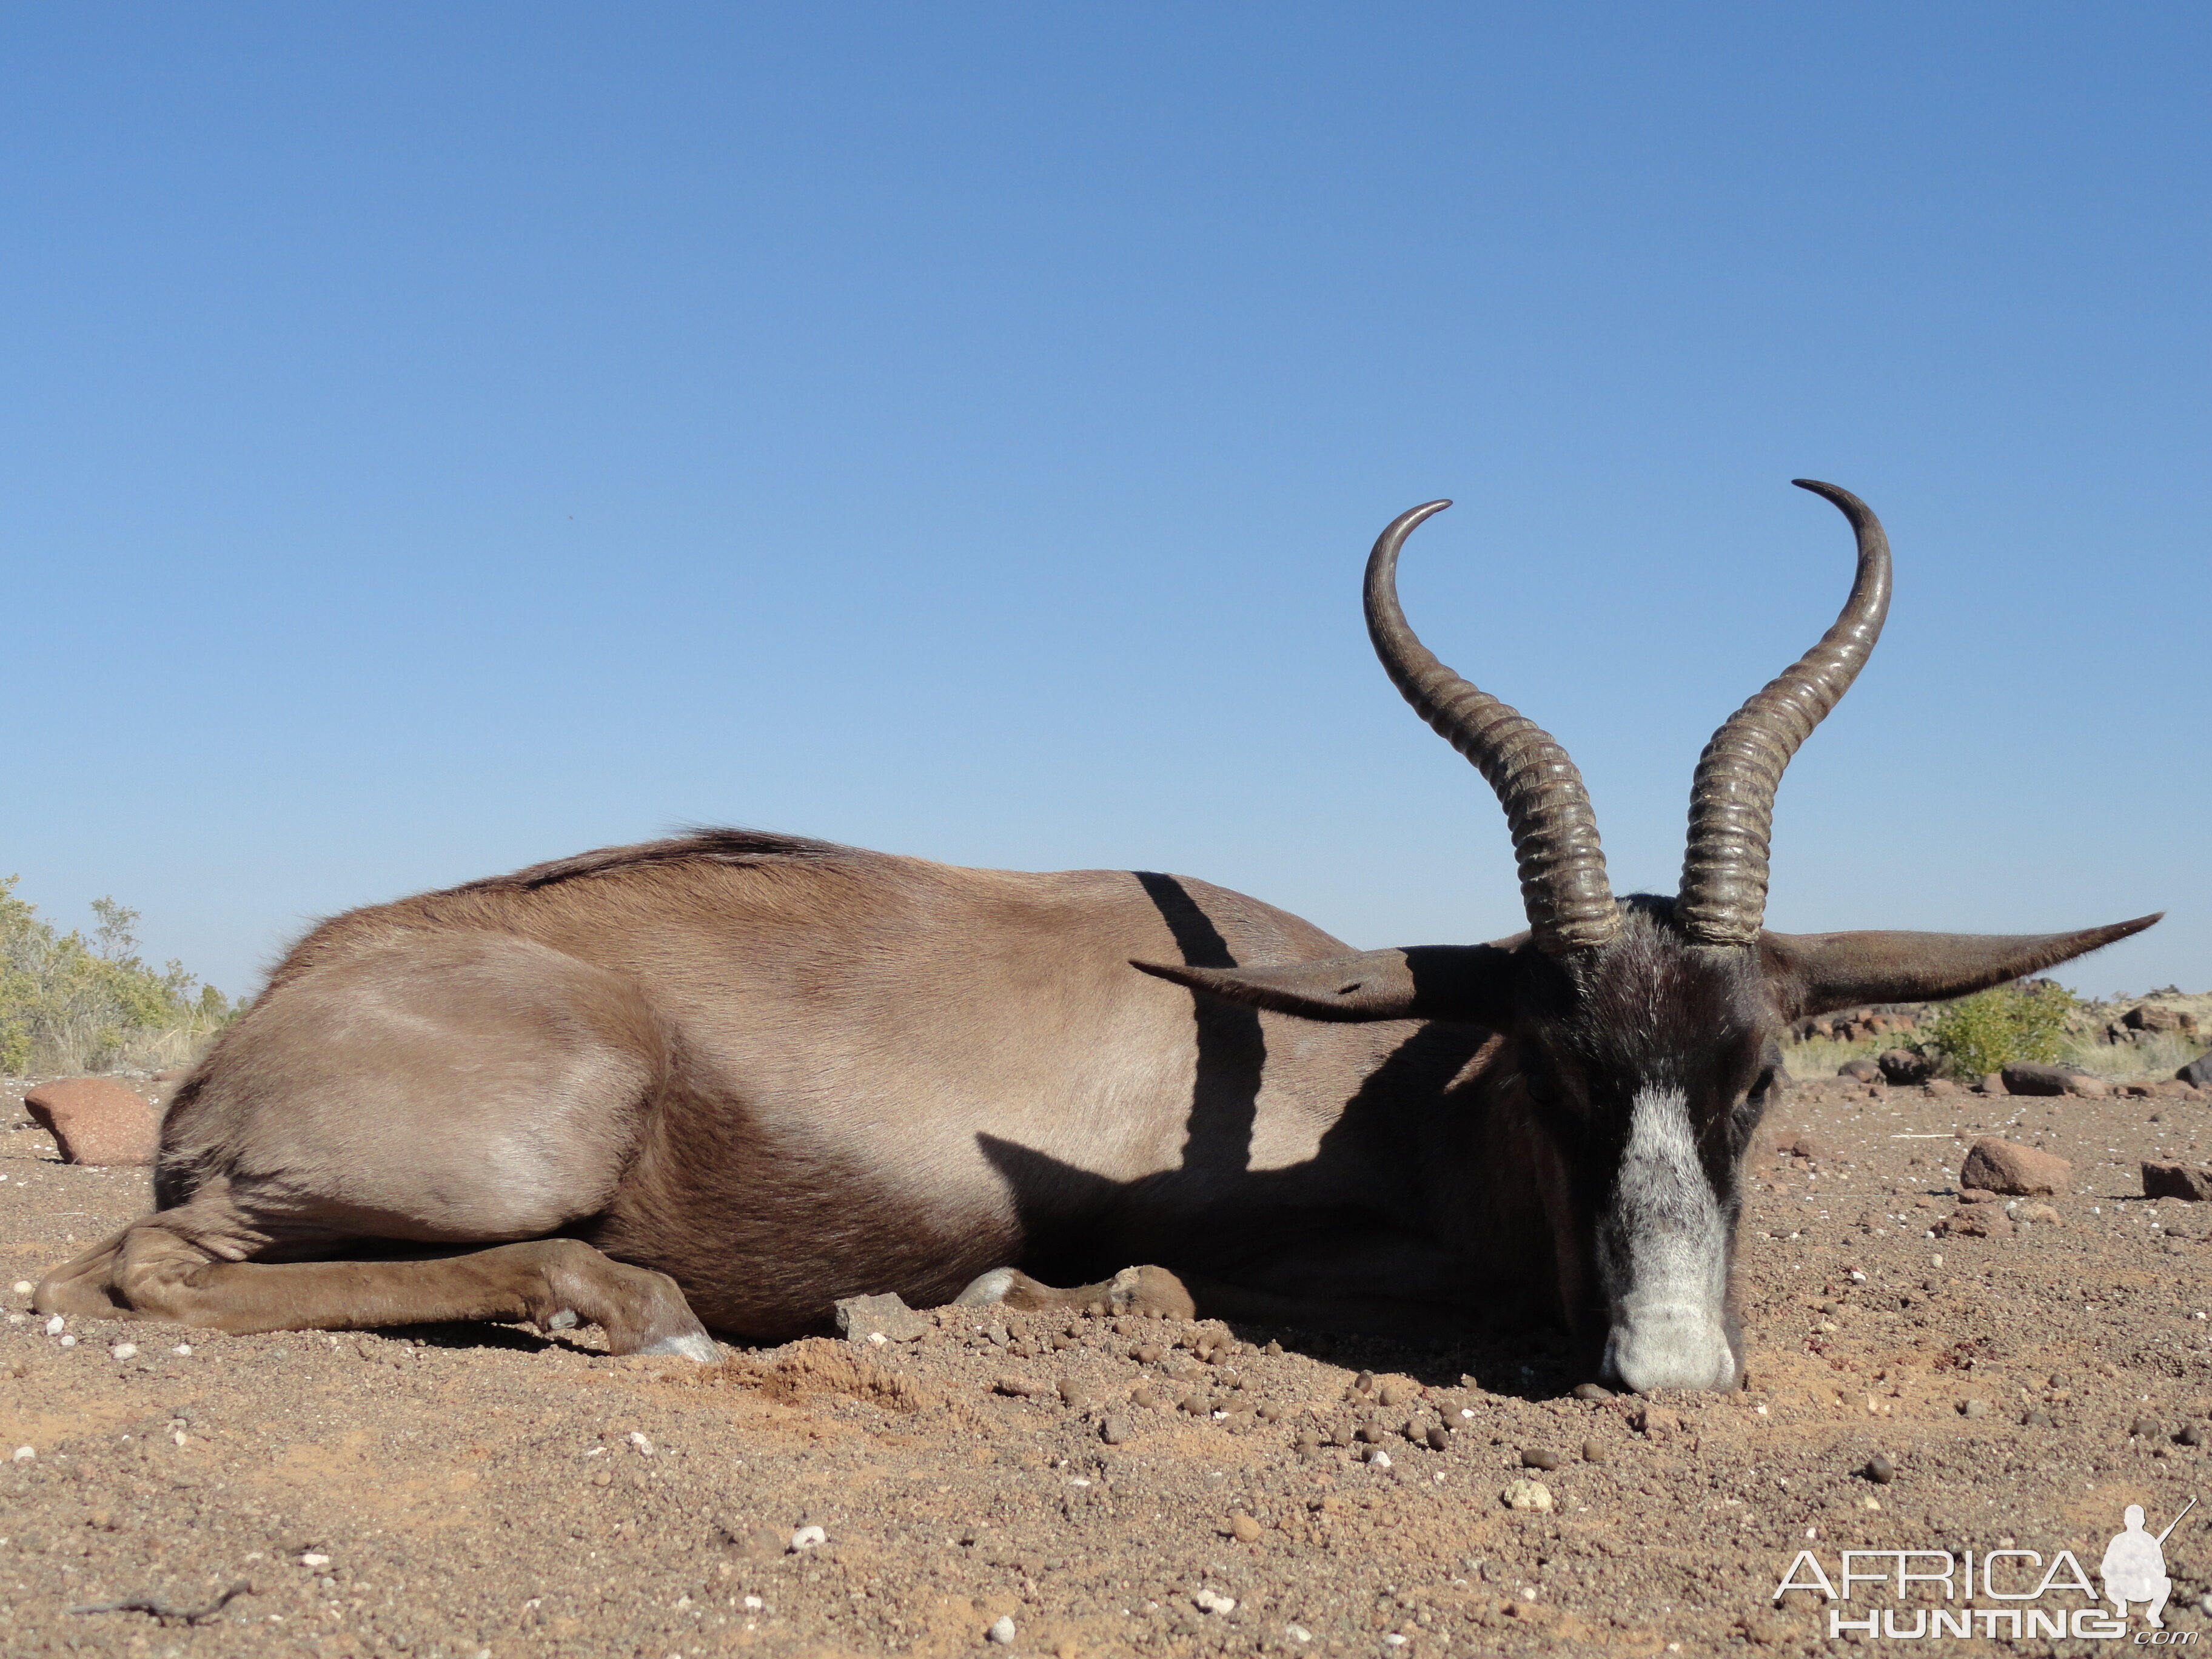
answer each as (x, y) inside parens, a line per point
(1563, 884)
(1723, 896)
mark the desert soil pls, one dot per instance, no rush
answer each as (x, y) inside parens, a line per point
(451, 1492)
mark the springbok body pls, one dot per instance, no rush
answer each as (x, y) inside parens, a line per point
(733, 1077)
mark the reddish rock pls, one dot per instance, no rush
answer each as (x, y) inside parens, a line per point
(2006, 1166)
(1941, 1086)
(95, 1120)
(2089, 1088)
(1975, 1221)
(1860, 1071)
(2177, 1180)
(2153, 1016)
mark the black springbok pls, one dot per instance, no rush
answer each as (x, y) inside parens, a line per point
(731, 1078)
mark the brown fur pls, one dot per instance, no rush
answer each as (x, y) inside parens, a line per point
(734, 1077)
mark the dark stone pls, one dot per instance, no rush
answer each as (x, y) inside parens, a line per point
(2198, 1071)
(1881, 1470)
(1902, 1066)
(2027, 1077)
(2177, 1180)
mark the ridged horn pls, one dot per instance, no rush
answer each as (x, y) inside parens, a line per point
(1562, 883)
(1724, 867)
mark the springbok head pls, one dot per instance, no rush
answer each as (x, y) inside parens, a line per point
(1645, 1033)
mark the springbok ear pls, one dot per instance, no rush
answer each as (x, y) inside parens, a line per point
(1423, 982)
(1823, 972)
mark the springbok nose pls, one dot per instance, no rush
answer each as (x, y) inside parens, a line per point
(1670, 1346)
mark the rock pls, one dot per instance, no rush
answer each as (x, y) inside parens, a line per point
(1115, 1430)
(1592, 1391)
(1975, 1221)
(1002, 1627)
(1656, 1421)
(1528, 1495)
(2146, 1428)
(1902, 1066)
(861, 1317)
(2177, 1180)
(1860, 1071)
(2089, 1088)
(2041, 1215)
(1879, 1470)
(1243, 1528)
(1992, 1083)
(1537, 1458)
(2006, 1166)
(1439, 1439)
(1941, 1087)
(2198, 1072)
(1974, 1408)
(1019, 1387)
(2030, 1078)
(1209, 1600)
(95, 1120)
(1593, 1451)
(1075, 1395)
(2156, 1016)
(807, 1537)
(2193, 1434)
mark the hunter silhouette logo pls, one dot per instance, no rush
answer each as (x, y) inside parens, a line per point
(2132, 1571)
(2133, 1567)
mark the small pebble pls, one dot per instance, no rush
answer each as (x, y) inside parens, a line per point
(1365, 1381)
(1378, 1459)
(1437, 1437)
(754, 1604)
(54, 1326)
(2191, 1434)
(1592, 1391)
(124, 1351)
(1974, 1408)
(1390, 1393)
(1537, 1458)
(24, 1453)
(183, 1349)
(1593, 1451)
(24, 1287)
(1115, 1430)
(68, 1342)
(1528, 1495)
(1881, 1470)
(639, 1441)
(2037, 1418)
(1208, 1601)
(1243, 1527)
(807, 1537)
(314, 1560)
(1300, 1633)
(1002, 1631)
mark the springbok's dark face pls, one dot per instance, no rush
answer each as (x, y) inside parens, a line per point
(1650, 1062)
(1646, 1032)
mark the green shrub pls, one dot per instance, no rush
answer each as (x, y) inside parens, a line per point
(1991, 1029)
(70, 1004)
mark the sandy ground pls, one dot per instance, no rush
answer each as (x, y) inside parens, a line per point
(449, 1492)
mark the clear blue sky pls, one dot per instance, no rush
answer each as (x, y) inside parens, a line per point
(438, 438)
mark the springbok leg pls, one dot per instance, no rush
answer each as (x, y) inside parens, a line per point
(150, 1271)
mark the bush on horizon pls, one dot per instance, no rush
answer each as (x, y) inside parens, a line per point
(67, 1004)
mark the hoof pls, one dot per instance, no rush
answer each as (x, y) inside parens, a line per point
(697, 1345)
(1152, 1291)
(988, 1290)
